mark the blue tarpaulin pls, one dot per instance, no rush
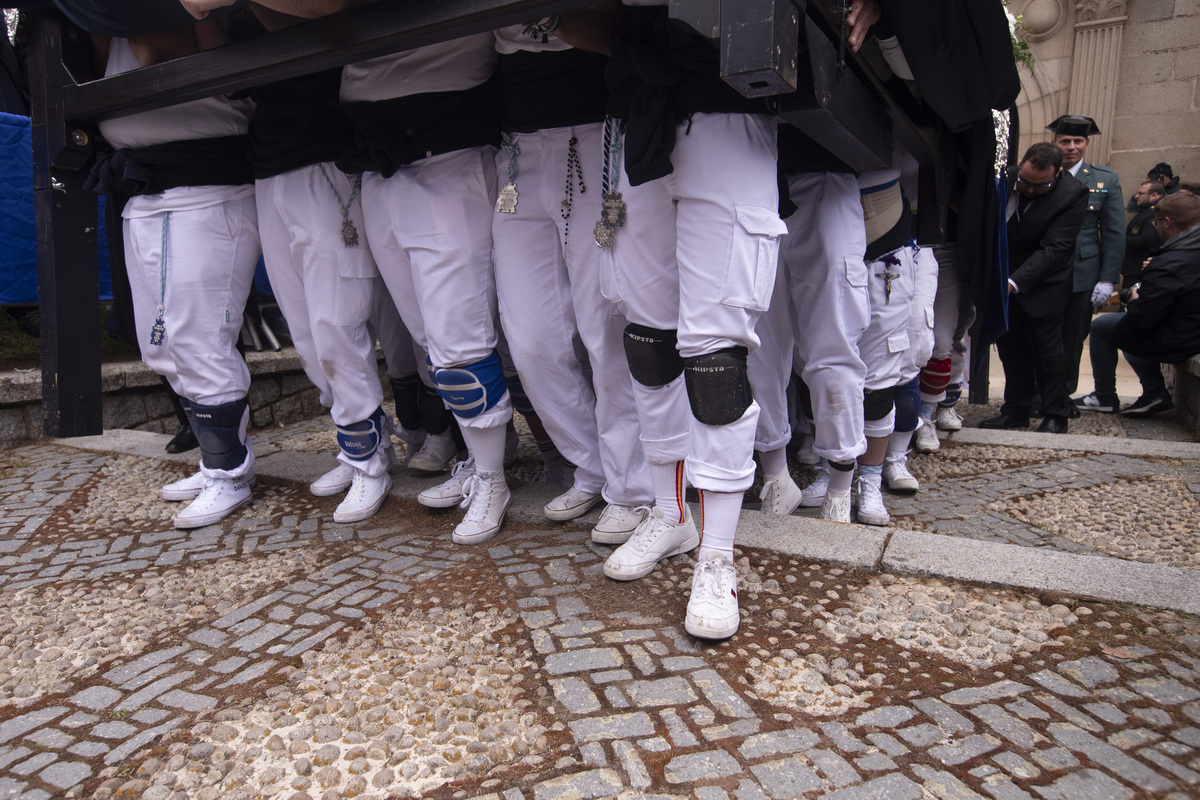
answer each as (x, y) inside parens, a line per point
(18, 232)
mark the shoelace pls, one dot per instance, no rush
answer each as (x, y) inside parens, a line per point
(642, 536)
(473, 487)
(710, 578)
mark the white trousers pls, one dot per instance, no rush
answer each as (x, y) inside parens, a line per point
(430, 229)
(211, 253)
(953, 314)
(323, 287)
(920, 324)
(884, 344)
(827, 283)
(698, 254)
(548, 286)
(770, 367)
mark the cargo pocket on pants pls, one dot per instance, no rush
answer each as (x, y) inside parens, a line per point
(753, 257)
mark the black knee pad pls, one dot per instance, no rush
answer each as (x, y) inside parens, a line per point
(406, 392)
(653, 359)
(435, 417)
(717, 385)
(516, 393)
(878, 403)
(221, 432)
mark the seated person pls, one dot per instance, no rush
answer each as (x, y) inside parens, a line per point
(1162, 320)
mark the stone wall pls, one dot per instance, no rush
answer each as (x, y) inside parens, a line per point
(1148, 108)
(1186, 379)
(134, 397)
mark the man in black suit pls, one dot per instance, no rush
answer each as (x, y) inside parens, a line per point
(1046, 208)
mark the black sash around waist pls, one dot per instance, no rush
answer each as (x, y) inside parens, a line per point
(389, 134)
(220, 161)
(296, 124)
(552, 89)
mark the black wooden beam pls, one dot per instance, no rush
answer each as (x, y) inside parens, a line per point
(66, 243)
(370, 31)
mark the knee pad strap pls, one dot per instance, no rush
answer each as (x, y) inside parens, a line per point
(472, 389)
(653, 359)
(718, 386)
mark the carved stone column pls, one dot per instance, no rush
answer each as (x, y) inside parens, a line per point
(1099, 25)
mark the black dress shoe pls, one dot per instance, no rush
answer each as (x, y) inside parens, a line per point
(1053, 424)
(1073, 411)
(183, 441)
(1006, 421)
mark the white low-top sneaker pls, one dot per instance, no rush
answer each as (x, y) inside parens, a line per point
(617, 523)
(571, 504)
(871, 510)
(925, 438)
(652, 541)
(947, 418)
(712, 609)
(836, 506)
(366, 495)
(896, 474)
(220, 497)
(336, 481)
(814, 493)
(449, 493)
(780, 494)
(436, 453)
(184, 489)
(486, 498)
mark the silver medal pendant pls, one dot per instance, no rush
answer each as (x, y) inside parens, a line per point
(349, 234)
(612, 216)
(506, 203)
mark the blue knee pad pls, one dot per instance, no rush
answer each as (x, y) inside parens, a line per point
(360, 440)
(472, 389)
(907, 397)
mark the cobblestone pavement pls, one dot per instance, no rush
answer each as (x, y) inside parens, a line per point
(279, 655)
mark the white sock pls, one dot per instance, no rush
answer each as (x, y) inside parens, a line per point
(898, 442)
(840, 479)
(669, 487)
(487, 446)
(719, 512)
(774, 462)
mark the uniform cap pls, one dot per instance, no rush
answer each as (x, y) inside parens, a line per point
(1073, 125)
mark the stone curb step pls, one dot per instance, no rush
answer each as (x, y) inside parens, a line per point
(900, 552)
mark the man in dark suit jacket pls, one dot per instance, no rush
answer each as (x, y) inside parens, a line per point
(1046, 207)
(1140, 235)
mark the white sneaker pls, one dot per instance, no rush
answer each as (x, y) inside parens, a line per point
(617, 523)
(780, 494)
(449, 493)
(486, 498)
(871, 510)
(336, 481)
(184, 489)
(652, 541)
(571, 504)
(814, 493)
(947, 418)
(805, 454)
(436, 453)
(896, 474)
(925, 438)
(712, 610)
(836, 506)
(365, 497)
(224, 492)
(413, 442)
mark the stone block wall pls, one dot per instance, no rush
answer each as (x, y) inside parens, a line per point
(1158, 92)
(1186, 377)
(134, 397)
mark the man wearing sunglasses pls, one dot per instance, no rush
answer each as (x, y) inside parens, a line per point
(1045, 210)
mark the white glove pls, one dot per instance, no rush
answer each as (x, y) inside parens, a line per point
(1101, 294)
